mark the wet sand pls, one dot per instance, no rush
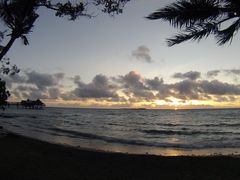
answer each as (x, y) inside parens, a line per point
(28, 159)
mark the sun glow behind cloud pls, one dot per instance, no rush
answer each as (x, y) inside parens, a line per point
(132, 90)
(157, 104)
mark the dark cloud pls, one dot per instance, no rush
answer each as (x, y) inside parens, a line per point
(233, 71)
(224, 98)
(142, 53)
(155, 83)
(68, 96)
(134, 85)
(37, 95)
(228, 72)
(219, 88)
(54, 93)
(100, 87)
(203, 89)
(42, 81)
(17, 78)
(158, 85)
(192, 75)
(129, 88)
(213, 73)
(34, 85)
(186, 89)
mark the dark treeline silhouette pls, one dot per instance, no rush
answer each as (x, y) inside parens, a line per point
(38, 104)
(197, 19)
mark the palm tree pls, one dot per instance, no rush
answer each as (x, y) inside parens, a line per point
(197, 19)
(19, 16)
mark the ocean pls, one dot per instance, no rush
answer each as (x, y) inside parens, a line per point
(159, 132)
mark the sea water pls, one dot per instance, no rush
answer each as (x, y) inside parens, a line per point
(161, 132)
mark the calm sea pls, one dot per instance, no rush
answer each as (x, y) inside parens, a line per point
(165, 132)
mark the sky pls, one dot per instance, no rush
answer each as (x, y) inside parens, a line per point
(123, 62)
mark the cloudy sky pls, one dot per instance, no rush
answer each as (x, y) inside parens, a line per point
(123, 62)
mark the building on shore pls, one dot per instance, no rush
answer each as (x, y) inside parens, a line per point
(28, 104)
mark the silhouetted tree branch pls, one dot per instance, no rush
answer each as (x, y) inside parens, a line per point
(197, 19)
(19, 17)
(4, 94)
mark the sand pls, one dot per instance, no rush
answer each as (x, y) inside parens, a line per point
(28, 159)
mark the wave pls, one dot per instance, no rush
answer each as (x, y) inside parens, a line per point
(222, 124)
(73, 134)
(13, 116)
(171, 132)
(8, 116)
(200, 125)
(76, 134)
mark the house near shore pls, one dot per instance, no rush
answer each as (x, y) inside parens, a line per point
(29, 104)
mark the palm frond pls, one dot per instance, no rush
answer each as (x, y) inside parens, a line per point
(196, 32)
(25, 40)
(188, 12)
(200, 18)
(18, 15)
(227, 34)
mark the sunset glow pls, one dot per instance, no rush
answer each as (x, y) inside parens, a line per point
(96, 63)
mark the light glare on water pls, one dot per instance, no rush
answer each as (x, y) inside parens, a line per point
(160, 132)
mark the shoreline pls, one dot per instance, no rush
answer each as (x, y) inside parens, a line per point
(137, 150)
(141, 150)
(27, 158)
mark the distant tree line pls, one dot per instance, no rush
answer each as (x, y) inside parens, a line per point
(38, 104)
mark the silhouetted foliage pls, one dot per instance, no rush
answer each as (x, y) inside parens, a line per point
(111, 6)
(197, 19)
(38, 104)
(19, 17)
(4, 94)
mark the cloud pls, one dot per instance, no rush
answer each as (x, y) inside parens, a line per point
(17, 78)
(100, 87)
(34, 85)
(226, 72)
(128, 89)
(213, 73)
(54, 93)
(142, 53)
(134, 85)
(155, 83)
(219, 88)
(42, 81)
(185, 90)
(192, 75)
(158, 85)
(233, 71)
(203, 89)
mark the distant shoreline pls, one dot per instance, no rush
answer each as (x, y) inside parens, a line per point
(142, 108)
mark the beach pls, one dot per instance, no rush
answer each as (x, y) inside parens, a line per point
(27, 159)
